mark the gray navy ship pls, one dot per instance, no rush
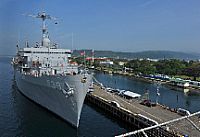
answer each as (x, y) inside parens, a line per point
(44, 74)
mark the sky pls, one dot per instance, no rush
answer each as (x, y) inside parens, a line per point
(117, 25)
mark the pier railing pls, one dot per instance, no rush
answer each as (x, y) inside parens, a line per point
(156, 129)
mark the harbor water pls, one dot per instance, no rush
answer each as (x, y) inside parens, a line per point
(168, 96)
(21, 117)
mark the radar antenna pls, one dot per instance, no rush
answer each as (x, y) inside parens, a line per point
(45, 35)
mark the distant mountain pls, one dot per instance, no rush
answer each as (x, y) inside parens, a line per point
(144, 54)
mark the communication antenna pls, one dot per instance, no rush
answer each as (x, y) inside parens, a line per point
(43, 16)
(72, 42)
(92, 56)
(18, 38)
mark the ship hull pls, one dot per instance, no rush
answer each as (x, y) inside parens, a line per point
(47, 91)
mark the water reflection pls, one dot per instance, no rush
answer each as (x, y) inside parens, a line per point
(34, 120)
(168, 96)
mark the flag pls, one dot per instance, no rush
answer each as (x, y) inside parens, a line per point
(92, 52)
(83, 53)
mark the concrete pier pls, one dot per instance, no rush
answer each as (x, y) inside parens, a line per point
(138, 116)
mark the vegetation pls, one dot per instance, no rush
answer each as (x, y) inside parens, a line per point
(193, 70)
(144, 54)
(172, 67)
(143, 66)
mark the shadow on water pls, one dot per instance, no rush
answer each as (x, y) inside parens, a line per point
(99, 124)
(34, 120)
(113, 119)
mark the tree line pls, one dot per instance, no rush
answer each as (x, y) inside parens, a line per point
(169, 67)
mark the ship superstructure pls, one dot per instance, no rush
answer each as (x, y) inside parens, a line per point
(45, 75)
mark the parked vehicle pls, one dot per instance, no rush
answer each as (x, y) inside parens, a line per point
(183, 112)
(109, 90)
(147, 103)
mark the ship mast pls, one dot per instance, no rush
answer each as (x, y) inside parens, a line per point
(45, 36)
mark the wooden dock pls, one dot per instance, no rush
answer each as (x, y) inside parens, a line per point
(139, 116)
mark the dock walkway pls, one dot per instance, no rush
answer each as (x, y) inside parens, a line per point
(158, 113)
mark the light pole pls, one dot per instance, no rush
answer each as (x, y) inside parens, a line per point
(157, 94)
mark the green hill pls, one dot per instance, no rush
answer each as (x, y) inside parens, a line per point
(144, 54)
